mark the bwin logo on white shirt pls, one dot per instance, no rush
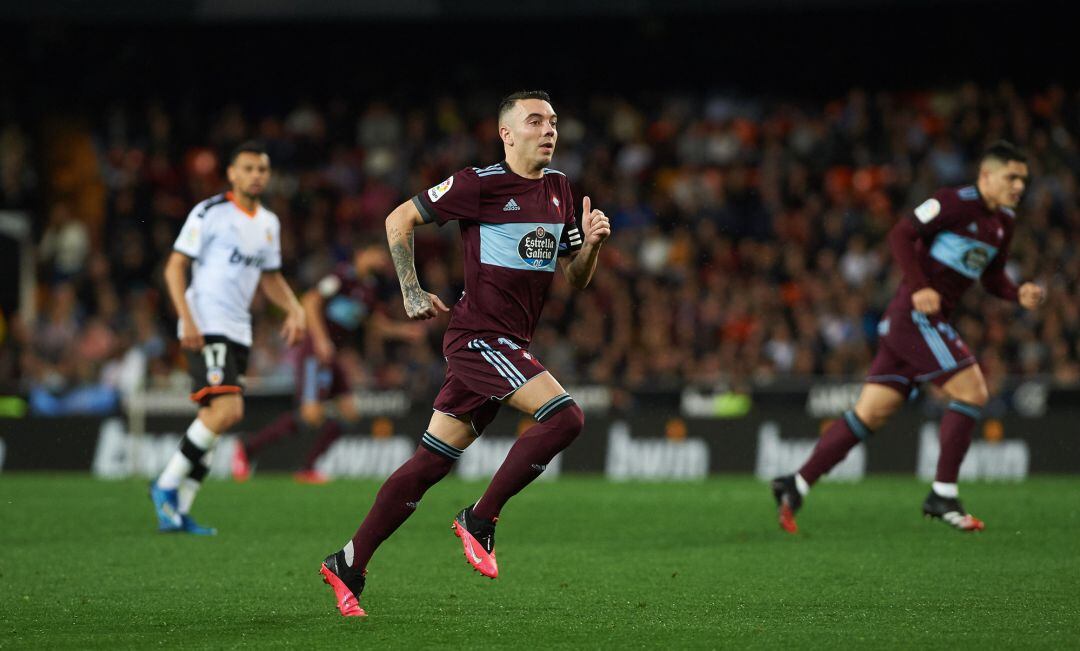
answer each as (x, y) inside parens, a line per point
(511, 205)
(246, 260)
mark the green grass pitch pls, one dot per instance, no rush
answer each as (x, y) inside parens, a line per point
(584, 564)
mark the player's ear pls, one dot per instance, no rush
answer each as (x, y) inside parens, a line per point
(506, 135)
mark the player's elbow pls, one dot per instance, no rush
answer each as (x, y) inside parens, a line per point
(175, 268)
(403, 218)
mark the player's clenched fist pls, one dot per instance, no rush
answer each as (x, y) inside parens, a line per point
(926, 300)
(422, 305)
(595, 223)
(1031, 296)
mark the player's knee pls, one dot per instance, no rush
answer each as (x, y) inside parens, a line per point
(568, 420)
(874, 416)
(229, 412)
(978, 395)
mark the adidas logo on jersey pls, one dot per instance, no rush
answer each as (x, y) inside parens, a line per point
(511, 205)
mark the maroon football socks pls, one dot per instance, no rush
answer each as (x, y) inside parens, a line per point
(559, 422)
(284, 425)
(400, 495)
(954, 434)
(330, 432)
(843, 434)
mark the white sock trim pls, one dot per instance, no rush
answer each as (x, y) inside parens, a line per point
(175, 471)
(349, 553)
(186, 495)
(801, 485)
(946, 490)
(201, 435)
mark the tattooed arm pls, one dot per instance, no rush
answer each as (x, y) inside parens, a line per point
(419, 304)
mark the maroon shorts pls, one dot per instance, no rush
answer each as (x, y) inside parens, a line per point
(318, 382)
(914, 348)
(481, 375)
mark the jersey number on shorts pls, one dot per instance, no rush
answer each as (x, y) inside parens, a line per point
(214, 354)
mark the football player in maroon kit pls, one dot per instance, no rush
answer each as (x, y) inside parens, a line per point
(341, 309)
(956, 237)
(516, 220)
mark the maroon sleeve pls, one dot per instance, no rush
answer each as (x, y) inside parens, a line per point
(458, 197)
(572, 238)
(994, 279)
(902, 240)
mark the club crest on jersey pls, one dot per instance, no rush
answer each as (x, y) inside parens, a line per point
(192, 236)
(972, 228)
(555, 200)
(269, 236)
(215, 376)
(439, 190)
(538, 247)
(976, 258)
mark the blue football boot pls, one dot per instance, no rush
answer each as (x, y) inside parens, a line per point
(167, 509)
(190, 526)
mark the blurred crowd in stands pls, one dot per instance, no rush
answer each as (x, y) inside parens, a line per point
(748, 246)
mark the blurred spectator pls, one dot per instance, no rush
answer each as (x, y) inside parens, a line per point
(748, 245)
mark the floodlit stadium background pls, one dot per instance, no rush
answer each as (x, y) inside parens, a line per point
(752, 157)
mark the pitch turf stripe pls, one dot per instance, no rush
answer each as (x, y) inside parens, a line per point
(934, 340)
(964, 408)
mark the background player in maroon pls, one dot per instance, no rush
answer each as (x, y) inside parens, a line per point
(342, 309)
(516, 219)
(954, 238)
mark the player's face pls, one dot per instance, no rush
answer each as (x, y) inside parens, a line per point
(1004, 183)
(250, 173)
(533, 131)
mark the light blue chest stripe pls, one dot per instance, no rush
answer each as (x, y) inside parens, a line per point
(499, 245)
(951, 249)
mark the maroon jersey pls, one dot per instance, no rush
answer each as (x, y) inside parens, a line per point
(512, 231)
(347, 303)
(957, 240)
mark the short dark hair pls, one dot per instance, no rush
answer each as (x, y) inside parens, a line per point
(510, 100)
(1003, 151)
(248, 147)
